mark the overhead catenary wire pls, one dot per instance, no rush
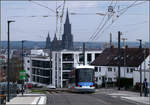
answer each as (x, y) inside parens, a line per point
(34, 16)
(42, 6)
(117, 17)
(110, 15)
(132, 5)
(93, 35)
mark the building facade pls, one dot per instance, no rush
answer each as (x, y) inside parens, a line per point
(106, 65)
(56, 73)
(66, 60)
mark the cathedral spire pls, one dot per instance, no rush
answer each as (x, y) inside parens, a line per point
(48, 36)
(55, 37)
(67, 18)
(48, 41)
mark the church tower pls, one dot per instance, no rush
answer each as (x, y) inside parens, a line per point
(67, 37)
(48, 42)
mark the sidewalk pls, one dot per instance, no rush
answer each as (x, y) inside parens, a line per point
(28, 99)
(125, 95)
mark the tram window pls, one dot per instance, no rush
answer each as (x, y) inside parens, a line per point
(84, 75)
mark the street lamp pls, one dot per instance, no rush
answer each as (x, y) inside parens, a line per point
(22, 63)
(140, 40)
(8, 68)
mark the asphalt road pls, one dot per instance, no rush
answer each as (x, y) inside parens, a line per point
(84, 99)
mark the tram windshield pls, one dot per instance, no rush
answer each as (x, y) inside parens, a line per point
(84, 75)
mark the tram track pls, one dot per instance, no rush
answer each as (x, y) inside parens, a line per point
(67, 98)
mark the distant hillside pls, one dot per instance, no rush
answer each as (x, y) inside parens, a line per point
(41, 44)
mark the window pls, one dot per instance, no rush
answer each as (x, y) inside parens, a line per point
(96, 79)
(96, 69)
(67, 57)
(131, 70)
(33, 71)
(114, 69)
(67, 66)
(28, 68)
(81, 57)
(100, 78)
(66, 75)
(109, 69)
(43, 64)
(127, 70)
(89, 57)
(99, 69)
(28, 61)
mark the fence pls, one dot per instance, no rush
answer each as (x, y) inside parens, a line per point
(12, 90)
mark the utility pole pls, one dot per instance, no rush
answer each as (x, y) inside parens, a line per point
(144, 60)
(8, 64)
(110, 39)
(124, 39)
(119, 34)
(22, 64)
(84, 53)
(140, 68)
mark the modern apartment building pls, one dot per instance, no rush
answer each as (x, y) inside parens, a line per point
(56, 73)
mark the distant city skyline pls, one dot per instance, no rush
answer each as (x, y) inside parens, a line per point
(32, 23)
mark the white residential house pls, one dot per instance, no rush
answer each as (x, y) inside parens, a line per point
(145, 71)
(106, 65)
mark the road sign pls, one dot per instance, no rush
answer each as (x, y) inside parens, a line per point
(22, 75)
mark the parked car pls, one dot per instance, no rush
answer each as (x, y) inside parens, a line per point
(28, 85)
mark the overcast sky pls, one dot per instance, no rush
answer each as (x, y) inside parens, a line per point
(31, 25)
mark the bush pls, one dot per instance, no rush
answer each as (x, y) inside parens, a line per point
(126, 83)
(137, 87)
